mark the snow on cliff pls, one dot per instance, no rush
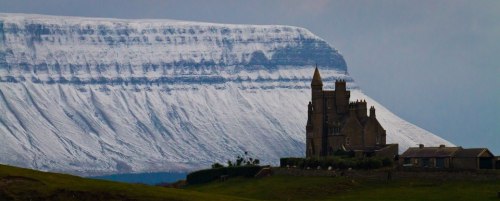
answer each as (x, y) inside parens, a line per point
(95, 96)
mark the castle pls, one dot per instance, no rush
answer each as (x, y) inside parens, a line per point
(335, 124)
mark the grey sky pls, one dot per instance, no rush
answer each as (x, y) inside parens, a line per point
(434, 63)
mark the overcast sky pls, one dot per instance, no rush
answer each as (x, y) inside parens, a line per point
(433, 63)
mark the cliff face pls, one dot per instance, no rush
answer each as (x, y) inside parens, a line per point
(49, 48)
(93, 96)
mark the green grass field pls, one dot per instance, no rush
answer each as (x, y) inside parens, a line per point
(341, 188)
(25, 184)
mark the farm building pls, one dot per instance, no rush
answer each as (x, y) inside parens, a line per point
(448, 158)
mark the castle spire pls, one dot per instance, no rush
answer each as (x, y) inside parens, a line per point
(316, 81)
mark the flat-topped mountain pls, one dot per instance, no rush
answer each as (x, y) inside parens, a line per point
(93, 96)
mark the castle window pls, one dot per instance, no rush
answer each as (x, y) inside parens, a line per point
(347, 141)
(378, 140)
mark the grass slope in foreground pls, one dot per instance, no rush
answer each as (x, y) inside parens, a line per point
(341, 188)
(25, 184)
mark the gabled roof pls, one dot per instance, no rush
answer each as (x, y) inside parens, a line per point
(437, 152)
(430, 152)
(472, 153)
(316, 81)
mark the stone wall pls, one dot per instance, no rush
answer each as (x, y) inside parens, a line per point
(383, 175)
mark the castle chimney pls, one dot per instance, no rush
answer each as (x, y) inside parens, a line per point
(421, 146)
(372, 112)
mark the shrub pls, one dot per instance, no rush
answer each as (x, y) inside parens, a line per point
(343, 153)
(204, 176)
(243, 160)
(387, 162)
(217, 165)
(369, 163)
(244, 171)
(291, 162)
(335, 162)
(208, 175)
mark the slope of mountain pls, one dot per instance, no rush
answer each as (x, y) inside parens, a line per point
(92, 96)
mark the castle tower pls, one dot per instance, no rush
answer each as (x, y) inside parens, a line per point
(361, 109)
(341, 97)
(315, 141)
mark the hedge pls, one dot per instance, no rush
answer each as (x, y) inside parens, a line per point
(208, 175)
(336, 162)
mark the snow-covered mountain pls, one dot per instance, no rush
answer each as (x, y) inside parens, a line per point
(95, 96)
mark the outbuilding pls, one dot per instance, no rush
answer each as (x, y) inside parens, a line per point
(447, 158)
(475, 158)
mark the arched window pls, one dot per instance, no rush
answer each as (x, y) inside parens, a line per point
(347, 141)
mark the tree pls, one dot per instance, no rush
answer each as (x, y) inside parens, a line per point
(244, 160)
(217, 165)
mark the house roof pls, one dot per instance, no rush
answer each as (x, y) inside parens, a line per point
(437, 152)
(472, 153)
(430, 152)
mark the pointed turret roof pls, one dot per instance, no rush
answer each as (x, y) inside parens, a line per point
(316, 81)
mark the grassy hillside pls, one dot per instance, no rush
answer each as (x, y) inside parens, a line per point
(25, 184)
(341, 188)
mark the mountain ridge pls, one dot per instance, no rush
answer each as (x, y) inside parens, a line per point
(75, 102)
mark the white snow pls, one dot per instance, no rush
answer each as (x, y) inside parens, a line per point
(100, 128)
(80, 45)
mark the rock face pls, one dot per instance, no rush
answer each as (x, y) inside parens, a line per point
(94, 96)
(46, 48)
